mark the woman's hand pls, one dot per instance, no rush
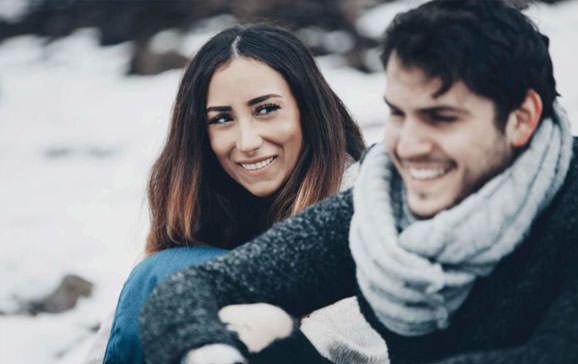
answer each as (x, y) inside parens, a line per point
(258, 324)
(214, 354)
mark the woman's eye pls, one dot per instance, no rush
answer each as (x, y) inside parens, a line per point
(266, 109)
(220, 119)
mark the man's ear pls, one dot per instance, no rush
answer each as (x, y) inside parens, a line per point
(523, 121)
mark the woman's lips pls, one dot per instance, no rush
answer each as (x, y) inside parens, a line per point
(255, 166)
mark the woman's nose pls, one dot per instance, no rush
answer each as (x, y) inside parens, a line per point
(248, 137)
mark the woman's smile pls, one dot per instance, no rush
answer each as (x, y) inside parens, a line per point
(254, 125)
(258, 165)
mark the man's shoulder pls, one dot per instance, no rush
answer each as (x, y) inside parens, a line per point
(564, 207)
(572, 177)
(574, 145)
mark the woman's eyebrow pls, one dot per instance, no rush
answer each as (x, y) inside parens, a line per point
(251, 102)
(259, 99)
(219, 108)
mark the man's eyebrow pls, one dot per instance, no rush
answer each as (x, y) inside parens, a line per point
(388, 103)
(433, 109)
(443, 109)
(259, 99)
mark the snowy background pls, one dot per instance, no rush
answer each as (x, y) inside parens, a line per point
(77, 139)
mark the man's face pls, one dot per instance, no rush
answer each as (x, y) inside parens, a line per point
(444, 147)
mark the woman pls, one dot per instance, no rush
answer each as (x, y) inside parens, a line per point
(256, 135)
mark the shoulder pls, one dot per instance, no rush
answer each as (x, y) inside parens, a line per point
(350, 174)
(574, 162)
(557, 225)
(568, 195)
(352, 168)
(336, 208)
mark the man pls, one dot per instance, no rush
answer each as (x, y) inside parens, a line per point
(459, 238)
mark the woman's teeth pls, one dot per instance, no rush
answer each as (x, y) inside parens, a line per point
(258, 165)
(427, 173)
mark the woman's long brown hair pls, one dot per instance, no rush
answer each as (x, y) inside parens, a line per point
(192, 200)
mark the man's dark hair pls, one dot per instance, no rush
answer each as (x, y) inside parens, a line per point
(489, 45)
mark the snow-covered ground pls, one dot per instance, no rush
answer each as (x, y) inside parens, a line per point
(77, 139)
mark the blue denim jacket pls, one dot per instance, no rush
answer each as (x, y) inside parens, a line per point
(124, 344)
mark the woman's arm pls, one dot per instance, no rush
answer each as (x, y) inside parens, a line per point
(299, 265)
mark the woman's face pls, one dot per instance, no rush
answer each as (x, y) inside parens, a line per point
(254, 125)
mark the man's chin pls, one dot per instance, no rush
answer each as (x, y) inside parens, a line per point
(425, 207)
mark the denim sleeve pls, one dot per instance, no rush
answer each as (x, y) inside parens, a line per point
(300, 264)
(124, 344)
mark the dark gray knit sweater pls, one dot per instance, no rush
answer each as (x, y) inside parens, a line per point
(526, 311)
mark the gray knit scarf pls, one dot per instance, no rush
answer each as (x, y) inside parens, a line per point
(415, 279)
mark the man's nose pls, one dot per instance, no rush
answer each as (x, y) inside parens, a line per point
(248, 137)
(414, 139)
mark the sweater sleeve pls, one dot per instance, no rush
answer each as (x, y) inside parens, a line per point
(300, 264)
(553, 341)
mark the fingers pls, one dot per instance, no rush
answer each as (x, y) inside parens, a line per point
(257, 325)
(214, 354)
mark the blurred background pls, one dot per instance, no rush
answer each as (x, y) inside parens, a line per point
(86, 89)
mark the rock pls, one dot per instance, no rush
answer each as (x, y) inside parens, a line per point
(139, 21)
(145, 61)
(62, 299)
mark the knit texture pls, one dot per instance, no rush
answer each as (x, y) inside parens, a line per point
(340, 333)
(415, 279)
(524, 312)
(333, 330)
(181, 313)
